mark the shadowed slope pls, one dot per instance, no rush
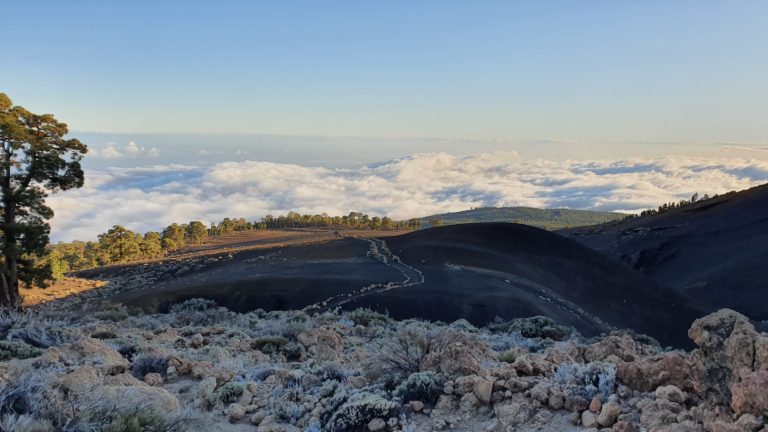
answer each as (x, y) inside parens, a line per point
(714, 252)
(478, 271)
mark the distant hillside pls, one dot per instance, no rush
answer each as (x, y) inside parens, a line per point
(549, 219)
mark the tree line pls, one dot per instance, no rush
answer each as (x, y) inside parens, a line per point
(695, 198)
(121, 245)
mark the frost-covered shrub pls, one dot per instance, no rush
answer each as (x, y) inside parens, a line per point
(294, 351)
(539, 327)
(330, 371)
(24, 423)
(198, 312)
(587, 380)
(269, 345)
(420, 386)
(19, 350)
(43, 334)
(508, 356)
(358, 409)
(313, 427)
(405, 352)
(260, 374)
(30, 393)
(151, 363)
(501, 342)
(365, 316)
(231, 392)
(286, 402)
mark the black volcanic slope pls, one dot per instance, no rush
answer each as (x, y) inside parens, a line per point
(479, 271)
(714, 253)
(472, 271)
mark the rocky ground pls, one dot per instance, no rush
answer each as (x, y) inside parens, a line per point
(200, 367)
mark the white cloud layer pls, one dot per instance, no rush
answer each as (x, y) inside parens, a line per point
(148, 198)
(131, 150)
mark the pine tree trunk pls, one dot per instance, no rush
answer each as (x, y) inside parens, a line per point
(9, 291)
(9, 275)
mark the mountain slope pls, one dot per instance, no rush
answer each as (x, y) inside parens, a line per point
(550, 219)
(479, 271)
(714, 252)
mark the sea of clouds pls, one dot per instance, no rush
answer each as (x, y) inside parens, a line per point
(150, 197)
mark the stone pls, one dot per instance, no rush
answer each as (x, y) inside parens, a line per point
(609, 413)
(512, 413)
(596, 405)
(204, 393)
(625, 426)
(235, 412)
(483, 389)
(670, 393)
(589, 419)
(377, 425)
(110, 361)
(79, 381)
(575, 403)
(445, 403)
(153, 379)
(123, 379)
(196, 341)
(469, 402)
(751, 394)
(416, 406)
(648, 373)
(556, 399)
(540, 392)
(322, 343)
(464, 385)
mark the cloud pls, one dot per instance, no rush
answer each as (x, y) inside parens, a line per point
(111, 151)
(148, 198)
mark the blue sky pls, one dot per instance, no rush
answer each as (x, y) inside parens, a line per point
(676, 71)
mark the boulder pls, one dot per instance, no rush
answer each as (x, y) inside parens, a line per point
(726, 352)
(86, 350)
(596, 405)
(153, 379)
(322, 343)
(648, 373)
(751, 394)
(589, 419)
(79, 381)
(235, 412)
(670, 393)
(377, 425)
(609, 413)
(512, 413)
(483, 389)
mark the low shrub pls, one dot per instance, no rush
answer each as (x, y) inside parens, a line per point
(508, 356)
(539, 327)
(44, 334)
(420, 386)
(358, 409)
(365, 316)
(231, 392)
(149, 364)
(587, 380)
(269, 345)
(17, 350)
(294, 351)
(24, 423)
